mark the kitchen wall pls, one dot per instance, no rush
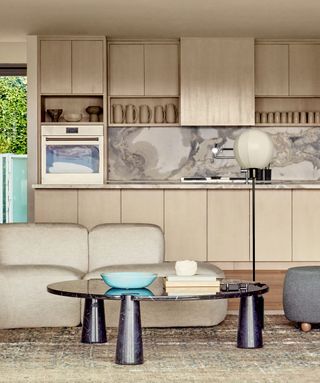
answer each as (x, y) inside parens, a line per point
(167, 154)
(13, 52)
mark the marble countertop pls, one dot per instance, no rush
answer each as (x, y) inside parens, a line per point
(187, 185)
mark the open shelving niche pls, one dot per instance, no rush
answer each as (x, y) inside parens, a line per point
(71, 104)
(137, 101)
(267, 104)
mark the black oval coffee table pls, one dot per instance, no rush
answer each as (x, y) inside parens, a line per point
(129, 343)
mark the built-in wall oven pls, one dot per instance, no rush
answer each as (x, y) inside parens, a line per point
(72, 154)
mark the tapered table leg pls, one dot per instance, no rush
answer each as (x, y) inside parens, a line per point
(94, 326)
(249, 325)
(129, 343)
(261, 309)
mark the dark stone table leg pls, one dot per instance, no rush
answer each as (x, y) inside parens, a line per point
(261, 309)
(94, 326)
(249, 325)
(129, 343)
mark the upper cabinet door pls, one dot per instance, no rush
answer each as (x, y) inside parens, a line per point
(87, 67)
(126, 70)
(161, 69)
(304, 70)
(271, 70)
(55, 64)
(217, 81)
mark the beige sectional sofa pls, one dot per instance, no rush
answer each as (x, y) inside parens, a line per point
(35, 255)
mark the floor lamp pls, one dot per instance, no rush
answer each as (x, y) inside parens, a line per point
(253, 150)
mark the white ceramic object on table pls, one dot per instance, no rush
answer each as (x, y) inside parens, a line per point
(186, 267)
(257, 118)
(317, 118)
(290, 117)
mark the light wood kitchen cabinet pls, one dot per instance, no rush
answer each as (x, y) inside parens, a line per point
(98, 206)
(217, 81)
(56, 206)
(304, 69)
(87, 67)
(185, 224)
(126, 69)
(142, 206)
(306, 223)
(272, 70)
(55, 66)
(71, 67)
(273, 225)
(143, 69)
(161, 69)
(228, 225)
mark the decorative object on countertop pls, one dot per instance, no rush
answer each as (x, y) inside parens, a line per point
(253, 150)
(128, 280)
(54, 114)
(186, 267)
(94, 112)
(72, 117)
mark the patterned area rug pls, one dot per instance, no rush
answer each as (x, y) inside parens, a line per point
(171, 355)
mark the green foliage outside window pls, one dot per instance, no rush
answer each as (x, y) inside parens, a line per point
(13, 115)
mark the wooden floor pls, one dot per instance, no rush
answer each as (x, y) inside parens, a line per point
(273, 278)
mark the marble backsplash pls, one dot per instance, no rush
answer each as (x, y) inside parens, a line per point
(169, 153)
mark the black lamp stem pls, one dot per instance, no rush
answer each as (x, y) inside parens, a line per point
(253, 224)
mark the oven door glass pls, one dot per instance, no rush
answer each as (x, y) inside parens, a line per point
(72, 158)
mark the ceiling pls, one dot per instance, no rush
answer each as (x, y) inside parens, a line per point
(161, 18)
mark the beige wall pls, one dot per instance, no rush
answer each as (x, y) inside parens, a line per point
(13, 53)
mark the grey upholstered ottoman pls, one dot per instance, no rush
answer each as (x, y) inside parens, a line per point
(301, 296)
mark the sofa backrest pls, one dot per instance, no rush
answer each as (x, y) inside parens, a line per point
(117, 244)
(44, 244)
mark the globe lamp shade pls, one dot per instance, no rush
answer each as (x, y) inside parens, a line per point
(253, 149)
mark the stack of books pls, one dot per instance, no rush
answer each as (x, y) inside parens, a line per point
(192, 285)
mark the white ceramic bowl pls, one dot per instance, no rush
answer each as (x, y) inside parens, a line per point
(72, 117)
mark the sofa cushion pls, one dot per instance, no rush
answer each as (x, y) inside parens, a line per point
(116, 244)
(25, 301)
(44, 244)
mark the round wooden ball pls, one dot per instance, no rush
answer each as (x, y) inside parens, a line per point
(305, 327)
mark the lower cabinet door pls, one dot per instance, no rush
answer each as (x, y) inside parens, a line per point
(56, 206)
(98, 206)
(228, 225)
(142, 206)
(185, 225)
(273, 225)
(306, 224)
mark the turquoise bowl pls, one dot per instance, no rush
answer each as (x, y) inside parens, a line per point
(136, 292)
(128, 280)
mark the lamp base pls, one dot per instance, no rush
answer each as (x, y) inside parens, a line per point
(261, 174)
